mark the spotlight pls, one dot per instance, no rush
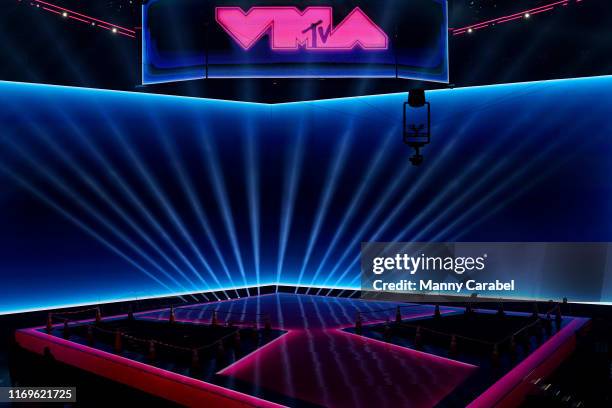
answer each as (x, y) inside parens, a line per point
(114, 30)
(416, 128)
(470, 30)
(527, 15)
(64, 14)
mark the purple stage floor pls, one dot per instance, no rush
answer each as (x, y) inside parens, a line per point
(318, 362)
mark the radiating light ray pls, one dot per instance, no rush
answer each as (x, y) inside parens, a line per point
(466, 125)
(133, 198)
(387, 195)
(60, 49)
(423, 179)
(498, 166)
(468, 173)
(204, 131)
(78, 74)
(95, 186)
(290, 187)
(466, 195)
(44, 198)
(371, 172)
(168, 210)
(50, 175)
(523, 170)
(506, 185)
(524, 188)
(289, 383)
(76, 129)
(293, 169)
(193, 198)
(119, 180)
(319, 377)
(197, 208)
(214, 172)
(373, 215)
(327, 195)
(252, 178)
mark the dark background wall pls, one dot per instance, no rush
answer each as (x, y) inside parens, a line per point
(110, 195)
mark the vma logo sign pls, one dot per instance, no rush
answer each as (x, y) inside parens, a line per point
(292, 29)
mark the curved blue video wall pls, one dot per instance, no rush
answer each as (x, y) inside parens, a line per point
(111, 195)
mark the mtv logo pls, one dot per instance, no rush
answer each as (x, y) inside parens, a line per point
(200, 39)
(291, 29)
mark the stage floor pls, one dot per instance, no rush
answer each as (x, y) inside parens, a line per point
(318, 363)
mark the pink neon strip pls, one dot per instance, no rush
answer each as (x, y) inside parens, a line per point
(226, 392)
(126, 34)
(89, 23)
(542, 11)
(85, 16)
(510, 17)
(253, 353)
(53, 11)
(494, 393)
(525, 11)
(78, 19)
(35, 331)
(478, 28)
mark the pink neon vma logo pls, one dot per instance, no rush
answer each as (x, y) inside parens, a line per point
(291, 29)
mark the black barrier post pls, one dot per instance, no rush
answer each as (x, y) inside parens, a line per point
(453, 346)
(118, 343)
(195, 359)
(152, 352)
(418, 338)
(49, 323)
(90, 335)
(66, 333)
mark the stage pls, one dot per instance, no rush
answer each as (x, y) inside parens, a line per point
(313, 358)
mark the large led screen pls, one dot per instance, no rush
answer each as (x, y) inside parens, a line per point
(194, 39)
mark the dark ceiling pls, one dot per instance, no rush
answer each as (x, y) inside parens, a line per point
(570, 41)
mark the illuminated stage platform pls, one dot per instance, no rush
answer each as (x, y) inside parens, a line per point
(314, 359)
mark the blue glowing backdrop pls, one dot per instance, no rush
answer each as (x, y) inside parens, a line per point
(108, 195)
